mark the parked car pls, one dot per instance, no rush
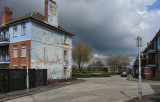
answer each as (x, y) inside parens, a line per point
(124, 74)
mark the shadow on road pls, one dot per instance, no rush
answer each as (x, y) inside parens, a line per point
(125, 94)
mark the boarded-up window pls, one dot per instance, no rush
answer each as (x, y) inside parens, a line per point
(15, 52)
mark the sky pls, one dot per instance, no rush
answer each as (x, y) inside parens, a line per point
(109, 26)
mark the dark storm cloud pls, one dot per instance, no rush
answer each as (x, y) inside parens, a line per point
(109, 26)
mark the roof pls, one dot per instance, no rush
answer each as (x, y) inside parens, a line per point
(37, 17)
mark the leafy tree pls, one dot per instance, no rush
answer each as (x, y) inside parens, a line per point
(81, 54)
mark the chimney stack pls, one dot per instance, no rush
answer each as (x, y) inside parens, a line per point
(6, 15)
(51, 12)
(46, 10)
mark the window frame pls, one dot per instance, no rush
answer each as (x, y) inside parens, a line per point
(14, 49)
(65, 39)
(65, 55)
(15, 34)
(65, 71)
(23, 48)
(23, 31)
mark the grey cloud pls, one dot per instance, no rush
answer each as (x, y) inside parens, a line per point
(109, 26)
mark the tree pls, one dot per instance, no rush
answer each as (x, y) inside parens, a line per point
(99, 64)
(118, 61)
(112, 62)
(81, 54)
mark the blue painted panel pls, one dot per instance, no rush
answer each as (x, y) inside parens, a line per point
(20, 37)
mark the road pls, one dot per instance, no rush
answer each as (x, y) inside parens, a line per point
(110, 89)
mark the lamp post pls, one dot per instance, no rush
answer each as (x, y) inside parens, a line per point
(27, 78)
(139, 44)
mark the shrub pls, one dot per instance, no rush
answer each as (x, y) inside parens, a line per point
(101, 74)
(81, 75)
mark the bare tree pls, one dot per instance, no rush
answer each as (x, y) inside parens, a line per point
(99, 64)
(118, 62)
(81, 53)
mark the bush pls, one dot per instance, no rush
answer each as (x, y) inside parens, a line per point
(81, 75)
(101, 75)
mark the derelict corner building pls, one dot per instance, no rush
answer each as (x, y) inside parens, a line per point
(49, 45)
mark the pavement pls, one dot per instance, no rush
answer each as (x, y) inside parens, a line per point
(23, 93)
(106, 89)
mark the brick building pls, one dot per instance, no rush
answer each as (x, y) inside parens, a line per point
(150, 59)
(49, 46)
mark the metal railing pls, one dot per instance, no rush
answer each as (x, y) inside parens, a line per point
(2, 39)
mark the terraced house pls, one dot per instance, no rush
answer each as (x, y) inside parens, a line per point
(150, 59)
(47, 44)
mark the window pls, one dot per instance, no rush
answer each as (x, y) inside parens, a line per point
(23, 29)
(23, 66)
(65, 38)
(15, 52)
(65, 55)
(65, 71)
(23, 50)
(15, 31)
(15, 66)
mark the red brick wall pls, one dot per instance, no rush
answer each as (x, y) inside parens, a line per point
(19, 60)
(158, 73)
(46, 10)
(6, 15)
(148, 72)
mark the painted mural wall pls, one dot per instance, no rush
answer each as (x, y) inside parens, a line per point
(47, 51)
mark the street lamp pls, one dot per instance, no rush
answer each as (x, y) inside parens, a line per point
(27, 78)
(139, 44)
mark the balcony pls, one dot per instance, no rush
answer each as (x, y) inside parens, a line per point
(152, 63)
(4, 41)
(152, 51)
(4, 60)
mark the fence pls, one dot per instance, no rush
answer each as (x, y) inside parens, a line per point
(15, 79)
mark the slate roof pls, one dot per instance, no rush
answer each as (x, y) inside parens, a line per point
(37, 17)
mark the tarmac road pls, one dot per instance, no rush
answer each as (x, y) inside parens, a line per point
(108, 89)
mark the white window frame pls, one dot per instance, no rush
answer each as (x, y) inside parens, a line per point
(65, 39)
(15, 31)
(65, 71)
(15, 66)
(65, 55)
(24, 51)
(23, 66)
(15, 48)
(23, 29)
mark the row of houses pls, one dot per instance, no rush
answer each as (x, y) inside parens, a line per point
(38, 38)
(150, 59)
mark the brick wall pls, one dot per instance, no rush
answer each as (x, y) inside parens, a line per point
(158, 68)
(19, 60)
(148, 72)
(6, 15)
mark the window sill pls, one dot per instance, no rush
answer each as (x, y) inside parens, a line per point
(15, 36)
(23, 34)
(14, 57)
(23, 56)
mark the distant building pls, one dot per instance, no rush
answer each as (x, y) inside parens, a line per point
(150, 59)
(49, 45)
